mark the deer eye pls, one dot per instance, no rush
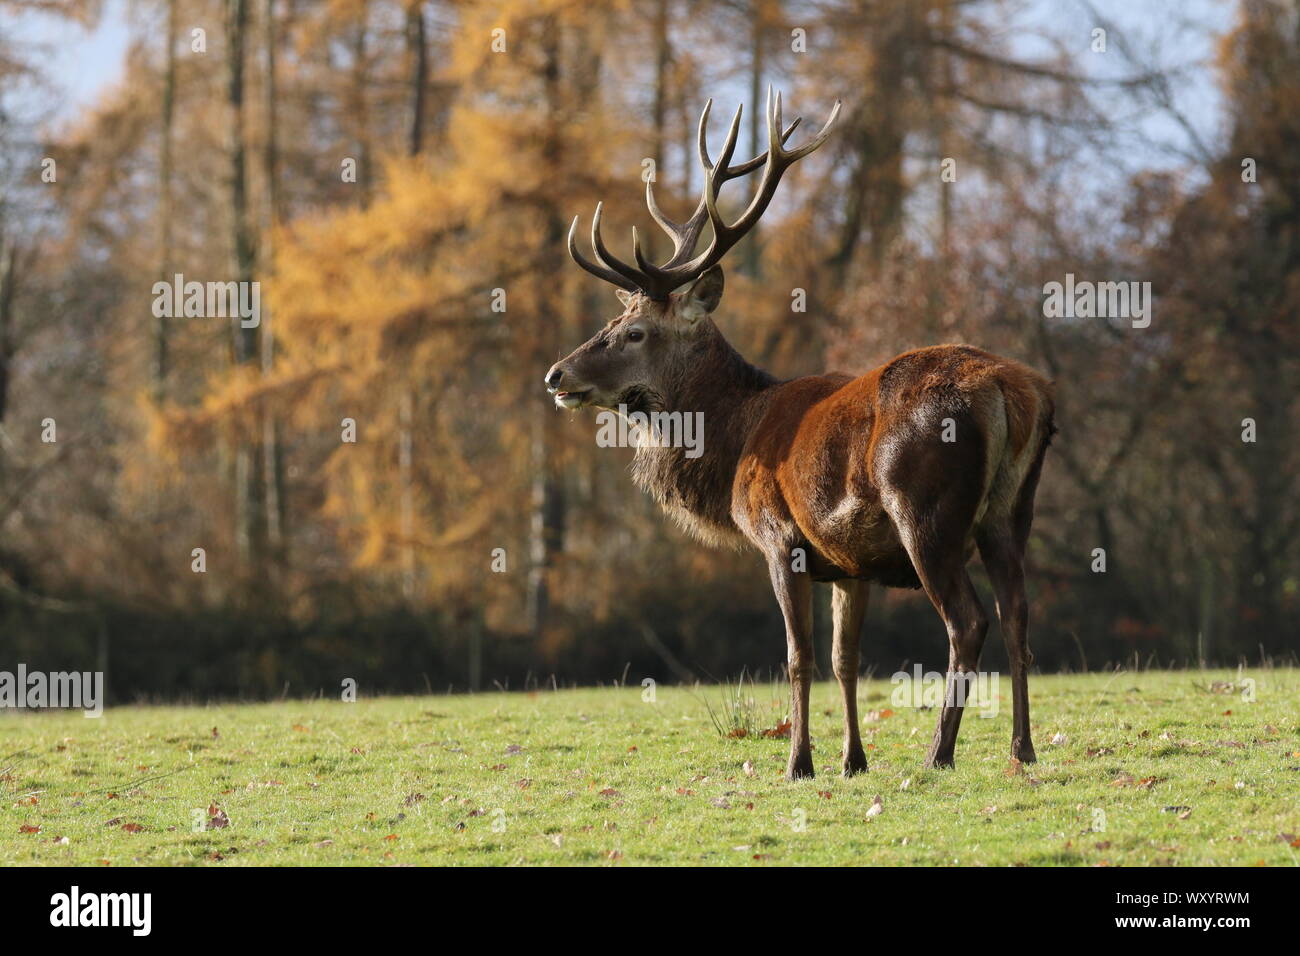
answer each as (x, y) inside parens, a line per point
(635, 335)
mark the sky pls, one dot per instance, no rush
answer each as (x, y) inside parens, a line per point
(78, 63)
(81, 63)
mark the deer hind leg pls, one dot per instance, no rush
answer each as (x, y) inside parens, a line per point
(934, 521)
(1004, 561)
(1002, 540)
(794, 594)
(848, 605)
(954, 596)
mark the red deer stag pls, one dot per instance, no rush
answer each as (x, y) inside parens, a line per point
(893, 477)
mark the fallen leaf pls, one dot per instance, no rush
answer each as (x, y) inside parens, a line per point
(132, 827)
(1058, 739)
(877, 807)
(748, 767)
(28, 828)
(780, 731)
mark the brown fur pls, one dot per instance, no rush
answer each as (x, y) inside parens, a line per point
(852, 472)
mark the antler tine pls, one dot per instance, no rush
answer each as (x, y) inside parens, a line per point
(685, 234)
(658, 281)
(608, 259)
(778, 161)
(599, 272)
(749, 165)
(822, 135)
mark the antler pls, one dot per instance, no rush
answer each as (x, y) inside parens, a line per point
(683, 266)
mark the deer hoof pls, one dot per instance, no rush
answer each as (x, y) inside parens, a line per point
(855, 763)
(1023, 751)
(800, 768)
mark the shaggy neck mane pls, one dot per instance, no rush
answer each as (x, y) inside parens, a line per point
(716, 381)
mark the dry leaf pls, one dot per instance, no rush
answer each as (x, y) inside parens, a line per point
(780, 731)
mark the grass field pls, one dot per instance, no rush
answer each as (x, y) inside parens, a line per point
(1151, 768)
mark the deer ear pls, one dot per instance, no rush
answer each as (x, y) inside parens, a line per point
(703, 295)
(624, 296)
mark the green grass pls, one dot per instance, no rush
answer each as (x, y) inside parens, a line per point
(602, 777)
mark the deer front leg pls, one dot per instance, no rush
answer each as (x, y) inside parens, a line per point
(848, 605)
(794, 594)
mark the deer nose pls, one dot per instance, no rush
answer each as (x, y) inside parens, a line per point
(554, 377)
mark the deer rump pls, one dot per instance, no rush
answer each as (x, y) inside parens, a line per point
(842, 467)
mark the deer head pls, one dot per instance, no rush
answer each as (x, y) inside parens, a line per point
(638, 358)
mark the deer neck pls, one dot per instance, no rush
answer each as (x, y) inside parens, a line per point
(725, 396)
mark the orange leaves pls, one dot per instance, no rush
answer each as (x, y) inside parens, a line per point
(217, 819)
(781, 731)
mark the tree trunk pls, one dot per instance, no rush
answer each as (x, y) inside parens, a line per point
(248, 485)
(546, 529)
(272, 468)
(418, 49)
(160, 330)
